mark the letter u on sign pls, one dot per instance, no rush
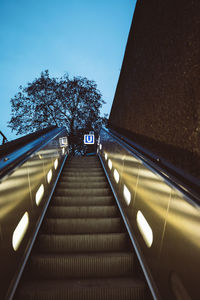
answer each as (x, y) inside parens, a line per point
(88, 139)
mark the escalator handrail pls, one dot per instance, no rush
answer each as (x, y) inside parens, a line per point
(15, 158)
(186, 184)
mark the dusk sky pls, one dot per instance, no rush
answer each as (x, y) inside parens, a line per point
(79, 37)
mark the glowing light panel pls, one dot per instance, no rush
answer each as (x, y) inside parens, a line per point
(127, 195)
(20, 231)
(106, 156)
(144, 229)
(56, 164)
(116, 176)
(39, 194)
(110, 164)
(100, 146)
(49, 176)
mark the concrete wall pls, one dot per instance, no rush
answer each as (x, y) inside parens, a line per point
(158, 93)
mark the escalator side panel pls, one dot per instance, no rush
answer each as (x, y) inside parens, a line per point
(170, 235)
(20, 215)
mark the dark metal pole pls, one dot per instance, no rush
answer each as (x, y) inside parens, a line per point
(4, 138)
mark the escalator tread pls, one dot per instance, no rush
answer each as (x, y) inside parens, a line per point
(93, 265)
(82, 250)
(84, 200)
(84, 243)
(90, 289)
(82, 211)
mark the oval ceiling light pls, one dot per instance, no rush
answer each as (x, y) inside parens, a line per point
(127, 195)
(49, 176)
(56, 164)
(110, 164)
(116, 176)
(39, 195)
(20, 231)
(144, 229)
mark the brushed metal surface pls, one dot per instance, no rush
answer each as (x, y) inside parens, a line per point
(174, 256)
(180, 251)
(152, 199)
(17, 196)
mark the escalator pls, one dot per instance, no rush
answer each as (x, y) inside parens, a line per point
(82, 250)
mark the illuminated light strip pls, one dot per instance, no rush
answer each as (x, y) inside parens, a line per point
(49, 176)
(56, 164)
(144, 229)
(116, 176)
(20, 231)
(63, 150)
(106, 156)
(110, 164)
(127, 195)
(100, 146)
(39, 194)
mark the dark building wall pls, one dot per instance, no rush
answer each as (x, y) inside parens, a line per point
(158, 94)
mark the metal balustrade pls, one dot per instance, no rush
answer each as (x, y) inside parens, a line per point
(160, 212)
(28, 178)
(162, 216)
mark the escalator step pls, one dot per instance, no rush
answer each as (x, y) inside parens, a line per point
(85, 165)
(83, 160)
(80, 185)
(86, 200)
(82, 212)
(83, 225)
(91, 165)
(81, 179)
(75, 243)
(89, 289)
(82, 168)
(83, 192)
(93, 265)
(83, 174)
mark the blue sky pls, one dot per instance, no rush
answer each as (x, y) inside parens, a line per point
(81, 37)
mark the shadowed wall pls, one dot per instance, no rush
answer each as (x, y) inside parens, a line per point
(157, 100)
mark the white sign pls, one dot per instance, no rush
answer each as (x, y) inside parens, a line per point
(63, 142)
(88, 139)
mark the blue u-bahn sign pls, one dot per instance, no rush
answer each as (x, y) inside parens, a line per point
(88, 139)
